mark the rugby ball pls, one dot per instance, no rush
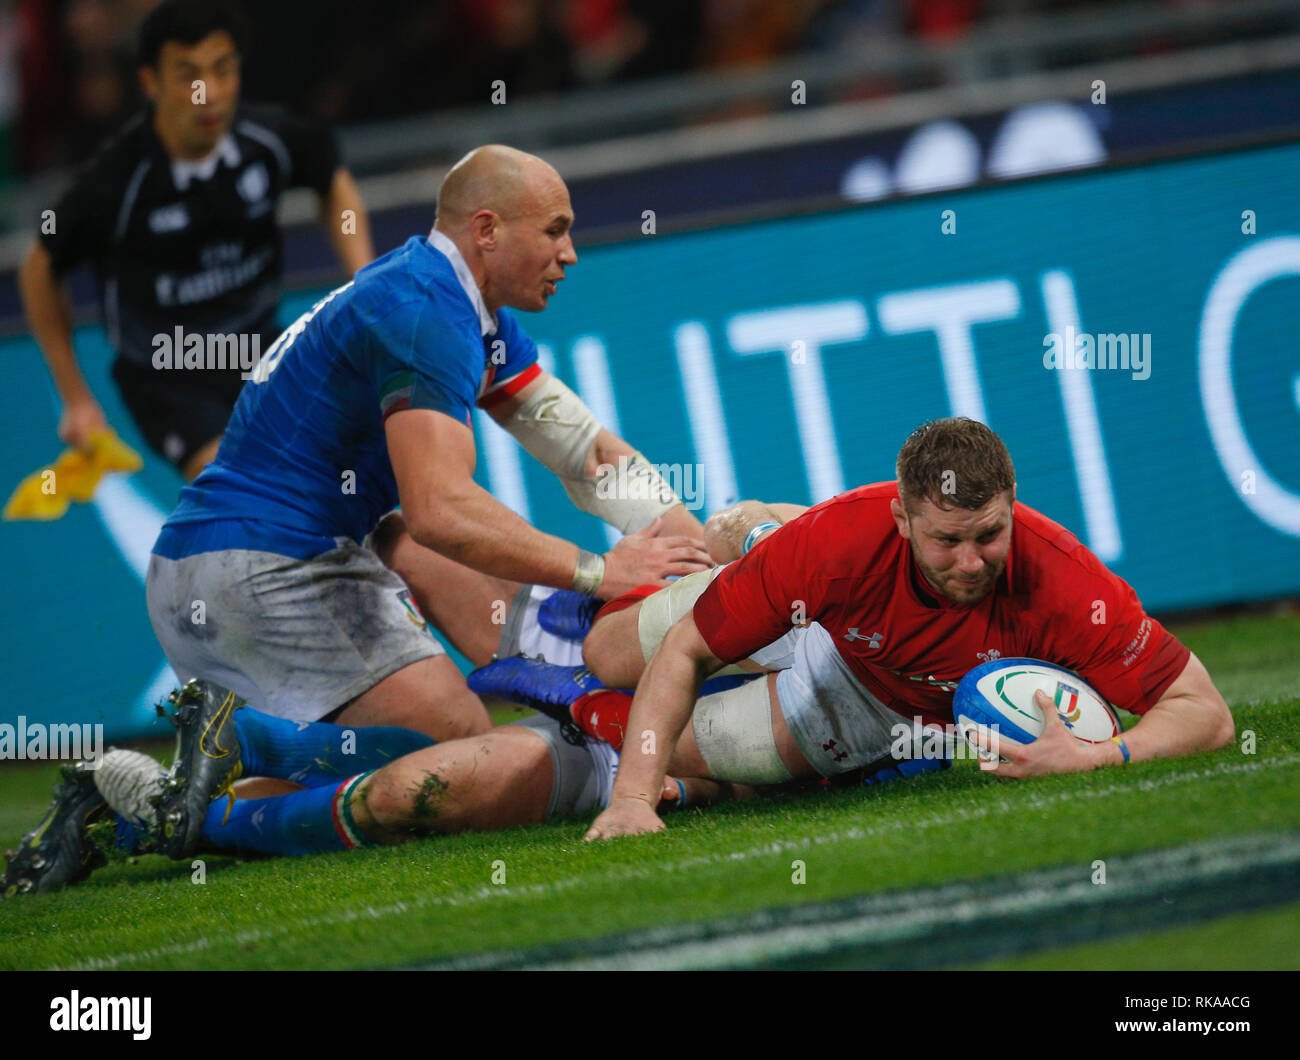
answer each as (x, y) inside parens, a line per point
(1000, 694)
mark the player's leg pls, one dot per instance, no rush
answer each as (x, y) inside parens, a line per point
(512, 775)
(497, 780)
(821, 722)
(627, 631)
(219, 740)
(738, 732)
(428, 696)
(331, 636)
(612, 650)
(740, 735)
(834, 720)
(813, 718)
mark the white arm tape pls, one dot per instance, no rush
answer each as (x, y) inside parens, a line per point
(555, 427)
(559, 430)
(629, 495)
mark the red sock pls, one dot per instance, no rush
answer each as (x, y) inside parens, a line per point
(603, 714)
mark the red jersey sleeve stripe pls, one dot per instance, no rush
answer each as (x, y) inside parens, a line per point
(509, 387)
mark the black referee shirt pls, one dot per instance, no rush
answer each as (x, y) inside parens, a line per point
(196, 246)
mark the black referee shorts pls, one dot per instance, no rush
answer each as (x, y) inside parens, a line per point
(178, 412)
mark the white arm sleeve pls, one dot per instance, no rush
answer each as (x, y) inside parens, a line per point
(559, 430)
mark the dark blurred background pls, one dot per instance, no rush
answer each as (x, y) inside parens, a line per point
(706, 108)
(70, 78)
(67, 74)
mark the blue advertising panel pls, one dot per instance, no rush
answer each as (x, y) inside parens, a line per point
(1128, 332)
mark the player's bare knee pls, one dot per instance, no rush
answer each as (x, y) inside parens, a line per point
(467, 717)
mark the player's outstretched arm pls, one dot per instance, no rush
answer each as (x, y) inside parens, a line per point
(343, 215)
(447, 511)
(49, 316)
(607, 451)
(602, 474)
(1191, 716)
(661, 708)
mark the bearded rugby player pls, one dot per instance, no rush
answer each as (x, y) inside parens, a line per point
(904, 588)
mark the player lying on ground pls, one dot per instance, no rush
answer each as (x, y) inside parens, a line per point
(365, 401)
(388, 784)
(515, 774)
(955, 579)
(904, 587)
(338, 787)
(350, 787)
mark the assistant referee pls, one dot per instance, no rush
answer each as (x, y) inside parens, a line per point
(177, 215)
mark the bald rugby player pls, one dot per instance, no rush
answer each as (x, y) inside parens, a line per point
(364, 403)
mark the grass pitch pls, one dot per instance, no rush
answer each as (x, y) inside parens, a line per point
(436, 900)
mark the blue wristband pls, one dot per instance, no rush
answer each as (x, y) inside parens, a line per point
(753, 535)
(1122, 746)
(681, 794)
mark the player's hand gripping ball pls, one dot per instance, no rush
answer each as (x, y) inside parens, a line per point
(999, 695)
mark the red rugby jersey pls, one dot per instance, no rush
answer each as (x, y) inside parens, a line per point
(855, 575)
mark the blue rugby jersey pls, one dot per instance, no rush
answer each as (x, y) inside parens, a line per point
(304, 461)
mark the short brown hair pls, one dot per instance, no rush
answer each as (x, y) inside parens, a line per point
(954, 463)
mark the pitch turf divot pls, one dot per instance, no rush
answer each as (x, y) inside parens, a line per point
(476, 896)
(956, 923)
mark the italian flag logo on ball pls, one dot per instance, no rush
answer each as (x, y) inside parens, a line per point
(1067, 702)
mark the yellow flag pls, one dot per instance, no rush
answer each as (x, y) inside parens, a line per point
(46, 494)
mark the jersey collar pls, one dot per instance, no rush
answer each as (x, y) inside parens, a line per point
(184, 170)
(461, 267)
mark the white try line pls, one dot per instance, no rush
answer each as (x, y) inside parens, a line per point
(659, 869)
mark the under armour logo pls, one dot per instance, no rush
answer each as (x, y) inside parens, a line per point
(836, 754)
(988, 656)
(873, 641)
